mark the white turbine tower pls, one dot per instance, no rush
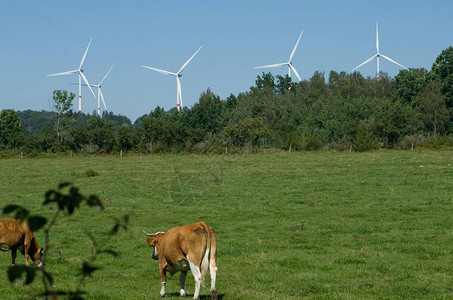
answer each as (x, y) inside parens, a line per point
(81, 76)
(178, 74)
(289, 63)
(377, 56)
(100, 95)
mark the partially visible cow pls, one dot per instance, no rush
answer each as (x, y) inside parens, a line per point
(15, 235)
(186, 247)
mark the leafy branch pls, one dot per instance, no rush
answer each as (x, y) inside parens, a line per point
(67, 199)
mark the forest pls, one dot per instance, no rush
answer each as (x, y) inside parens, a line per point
(336, 111)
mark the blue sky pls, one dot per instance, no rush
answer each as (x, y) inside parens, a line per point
(43, 37)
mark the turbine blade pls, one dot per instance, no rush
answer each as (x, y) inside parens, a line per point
(294, 49)
(365, 62)
(391, 60)
(160, 71)
(86, 82)
(272, 66)
(295, 72)
(84, 55)
(188, 61)
(64, 73)
(78, 84)
(377, 38)
(106, 75)
(102, 98)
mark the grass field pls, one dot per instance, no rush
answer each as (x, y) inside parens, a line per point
(320, 225)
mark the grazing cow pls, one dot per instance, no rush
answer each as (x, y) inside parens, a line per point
(15, 235)
(186, 247)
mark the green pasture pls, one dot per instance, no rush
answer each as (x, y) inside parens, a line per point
(306, 225)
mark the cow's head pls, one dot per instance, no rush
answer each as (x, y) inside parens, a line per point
(37, 257)
(153, 242)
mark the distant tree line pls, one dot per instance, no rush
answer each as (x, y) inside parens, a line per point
(343, 112)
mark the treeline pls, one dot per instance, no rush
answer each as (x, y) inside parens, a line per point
(343, 112)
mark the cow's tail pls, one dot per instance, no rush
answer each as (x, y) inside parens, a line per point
(208, 251)
(213, 264)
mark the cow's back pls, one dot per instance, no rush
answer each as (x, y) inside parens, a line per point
(180, 241)
(12, 232)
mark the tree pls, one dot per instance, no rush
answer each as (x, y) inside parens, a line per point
(442, 71)
(11, 135)
(266, 81)
(100, 133)
(247, 131)
(408, 84)
(284, 84)
(62, 105)
(317, 86)
(164, 131)
(128, 138)
(207, 113)
(432, 108)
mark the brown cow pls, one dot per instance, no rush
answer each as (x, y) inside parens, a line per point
(186, 247)
(15, 235)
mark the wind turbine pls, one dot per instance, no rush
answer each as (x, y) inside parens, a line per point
(81, 76)
(100, 95)
(377, 56)
(289, 63)
(178, 74)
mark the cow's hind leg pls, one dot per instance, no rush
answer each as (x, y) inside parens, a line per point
(182, 282)
(197, 276)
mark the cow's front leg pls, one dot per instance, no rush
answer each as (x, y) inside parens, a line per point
(163, 279)
(182, 282)
(13, 256)
(27, 263)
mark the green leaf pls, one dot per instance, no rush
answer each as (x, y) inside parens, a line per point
(10, 208)
(114, 229)
(126, 219)
(63, 185)
(70, 208)
(111, 252)
(22, 214)
(31, 272)
(15, 272)
(94, 201)
(87, 269)
(51, 196)
(36, 222)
